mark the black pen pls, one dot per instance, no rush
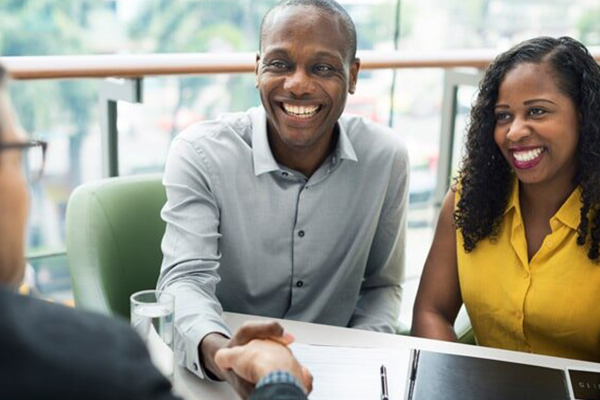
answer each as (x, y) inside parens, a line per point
(384, 387)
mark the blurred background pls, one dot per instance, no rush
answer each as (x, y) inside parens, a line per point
(66, 112)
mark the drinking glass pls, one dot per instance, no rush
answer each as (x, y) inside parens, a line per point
(152, 315)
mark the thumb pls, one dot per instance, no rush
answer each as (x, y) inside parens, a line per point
(286, 339)
(225, 357)
(307, 379)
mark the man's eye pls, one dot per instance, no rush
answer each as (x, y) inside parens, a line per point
(277, 65)
(323, 69)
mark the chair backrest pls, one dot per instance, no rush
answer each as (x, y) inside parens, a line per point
(114, 231)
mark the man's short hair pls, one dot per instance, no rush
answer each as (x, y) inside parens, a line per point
(331, 7)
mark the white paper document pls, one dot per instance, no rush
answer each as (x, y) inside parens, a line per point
(353, 373)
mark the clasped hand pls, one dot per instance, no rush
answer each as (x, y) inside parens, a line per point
(255, 350)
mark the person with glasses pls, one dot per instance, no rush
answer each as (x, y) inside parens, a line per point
(49, 351)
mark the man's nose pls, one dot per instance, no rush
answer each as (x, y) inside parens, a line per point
(299, 83)
(518, 130)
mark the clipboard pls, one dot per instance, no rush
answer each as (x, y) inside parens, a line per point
(439, 376)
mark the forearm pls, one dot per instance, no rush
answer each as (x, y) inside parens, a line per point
(279, 391)
(433, 325)
(207, 349)
(377, 309)
(197, 314)
(381, 291)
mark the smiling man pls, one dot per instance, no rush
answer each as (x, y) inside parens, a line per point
(290, 210)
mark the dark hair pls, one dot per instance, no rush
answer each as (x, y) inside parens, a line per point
(328, 6)
(485, 176)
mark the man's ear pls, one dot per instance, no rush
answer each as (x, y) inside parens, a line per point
(257, 63)
(354, 69)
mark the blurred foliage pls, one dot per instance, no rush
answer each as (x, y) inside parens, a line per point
(48, 27)
(589, 27)
(164, 26)
(378, 26)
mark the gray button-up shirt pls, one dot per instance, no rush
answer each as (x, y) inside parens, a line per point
(248, 235)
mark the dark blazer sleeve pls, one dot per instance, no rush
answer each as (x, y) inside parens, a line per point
(278, 391)
(48, 351)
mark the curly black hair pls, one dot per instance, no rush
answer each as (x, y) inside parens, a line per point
(484, 177)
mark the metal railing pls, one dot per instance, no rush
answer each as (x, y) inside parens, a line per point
(141, 65)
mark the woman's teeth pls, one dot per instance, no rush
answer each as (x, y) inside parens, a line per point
(528, 155)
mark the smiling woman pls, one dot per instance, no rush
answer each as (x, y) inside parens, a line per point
(524, 254)
(537, 131)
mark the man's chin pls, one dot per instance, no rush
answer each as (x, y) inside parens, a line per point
(304, 142)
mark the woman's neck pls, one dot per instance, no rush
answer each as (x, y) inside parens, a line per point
(544, 199)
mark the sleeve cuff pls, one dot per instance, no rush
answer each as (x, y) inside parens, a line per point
(279, 376)
(187, 351)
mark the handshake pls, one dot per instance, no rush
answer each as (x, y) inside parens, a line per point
(256, 350)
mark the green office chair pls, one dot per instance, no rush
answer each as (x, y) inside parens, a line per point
(464, 330)
(114, 232)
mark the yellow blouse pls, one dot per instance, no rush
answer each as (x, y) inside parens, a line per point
(549, 305)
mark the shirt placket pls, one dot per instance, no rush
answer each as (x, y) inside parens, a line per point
(523, 279)
(544, 252)
(299, 232)
(301, 248)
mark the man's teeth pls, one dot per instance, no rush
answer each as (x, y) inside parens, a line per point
(524, 156)
(300, 111)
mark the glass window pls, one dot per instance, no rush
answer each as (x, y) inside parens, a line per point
(65, 112)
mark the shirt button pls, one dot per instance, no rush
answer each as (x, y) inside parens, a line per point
(301, 233)
(299, 283)
(549, 243)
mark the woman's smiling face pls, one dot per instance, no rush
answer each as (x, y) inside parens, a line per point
(537, 126)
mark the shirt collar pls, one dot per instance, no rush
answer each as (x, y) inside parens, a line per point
(568, 213)
(513, 200)
(344, 149)
(264, 161)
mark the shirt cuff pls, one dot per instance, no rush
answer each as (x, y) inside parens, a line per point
(189, 346)
(279, 376)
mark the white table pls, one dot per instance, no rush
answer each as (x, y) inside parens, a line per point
(190, 387)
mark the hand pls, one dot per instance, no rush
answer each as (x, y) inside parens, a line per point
(249, 331)
(258, 358)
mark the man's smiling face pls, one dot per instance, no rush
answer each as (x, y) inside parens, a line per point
(304, 75)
